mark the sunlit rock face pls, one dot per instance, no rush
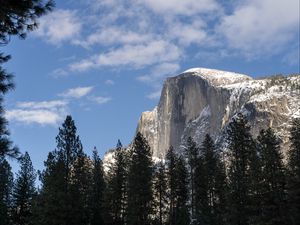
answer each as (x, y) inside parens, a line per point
(201, 101)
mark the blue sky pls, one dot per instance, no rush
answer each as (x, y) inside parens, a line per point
(104, 61)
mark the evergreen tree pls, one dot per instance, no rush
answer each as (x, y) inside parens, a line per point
(53, 200)
(116, 192)
(210, 185)
(6, 84)
(24, 192)
(242, 156)
(273, 185)
(182, 215)
(178, 194)
(192, 154)
(98, 187)
(81, 189)
(140, 198)
(171, 161)
(6, 184)
(16, 18)
(160, 193)
(58, 203)
(294, 172)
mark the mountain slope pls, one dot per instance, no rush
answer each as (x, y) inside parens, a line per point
(201, 101)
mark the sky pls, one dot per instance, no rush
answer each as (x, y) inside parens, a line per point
(104, 61)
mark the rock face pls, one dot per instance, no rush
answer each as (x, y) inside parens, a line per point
(201, 101)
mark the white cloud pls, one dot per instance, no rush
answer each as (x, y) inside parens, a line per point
(42, 113)
(187, 34)
(128, 55)
(42, 117)
(159, 72)
(58, 26)
(109, 82)
(261, 26)
(157, 75)
(112, 36)
(43, 104)
(100, 99)
(182, 7)
(78, 92)
(154, 95)
(59, 73)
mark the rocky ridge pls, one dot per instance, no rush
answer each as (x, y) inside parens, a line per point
(201, 101)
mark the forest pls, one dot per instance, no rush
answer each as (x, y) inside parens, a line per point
(249, 183)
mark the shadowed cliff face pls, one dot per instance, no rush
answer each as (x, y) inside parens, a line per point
(201, 101)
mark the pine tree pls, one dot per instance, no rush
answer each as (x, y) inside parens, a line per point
(56, 178)
(294, 172)
(160, 193)
(192, 154)
(16, 18)
(273, 185)
(81, 189)
(53, 200)
(140, 197)
(182, 215)
(116, 192)
(98, 187)
(241, 152)
(178, 194)
(24, 192)
(6, 185)
(171, 161)
(6, 84)
(210, 185)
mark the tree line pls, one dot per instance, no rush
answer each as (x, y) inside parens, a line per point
(248, 184)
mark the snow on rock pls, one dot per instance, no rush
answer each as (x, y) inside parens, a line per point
(201, 101)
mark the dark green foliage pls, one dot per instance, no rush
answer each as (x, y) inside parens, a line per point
(81, 189)
(98, 187)
(58, 193)
(294, 172)
(242, 170)
(192, 154)
(178, 196)
(54, 199)
(140, 197)
(6, 184)
(160, 193)
(182, 215)
(273, 195)
(116, 192)
(24, 192)
(18, 17)
(6, 84)
(210, 185)
(171, 160)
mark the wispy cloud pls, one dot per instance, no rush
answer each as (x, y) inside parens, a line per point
(157, 75)
(154, 95)
(77, 92)
(179, 7)
(252, 29)
(58, 26)
(109, 82)
(159, 72)
(113, 36)
(100, 99)
(42, 113)
(144, 34)
(136, 56)
(43, 104)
